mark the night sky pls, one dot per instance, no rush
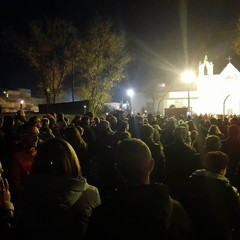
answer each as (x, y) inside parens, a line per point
(165, 36)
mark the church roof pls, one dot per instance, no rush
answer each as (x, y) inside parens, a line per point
(230, 72)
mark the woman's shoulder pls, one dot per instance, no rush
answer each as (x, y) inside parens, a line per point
(90, 196)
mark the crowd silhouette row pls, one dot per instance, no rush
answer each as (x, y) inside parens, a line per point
(119, 177)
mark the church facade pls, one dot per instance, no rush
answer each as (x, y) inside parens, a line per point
(218, 93)
(209, 93)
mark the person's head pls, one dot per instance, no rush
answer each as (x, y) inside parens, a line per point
(233, 131)
(212, 143)
(194, 134)
(234, 120)
(139, 120)
(89, 114)
(180, 133)
(123, 126)
(96, 120)
(146, 132)
(56, 157)
(134, 161)
(45, 133)
(45, 122)
(85, 120)
(21, 113)
(207, 124)
(191, 125)
(156, 132)
(72, 135)
(214, 129)
(216, 162)
(104, 125)
(60, 116)
(113, 121)
(35, 121)
(28, 135)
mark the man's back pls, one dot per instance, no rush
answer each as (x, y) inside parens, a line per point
(140, 212)
(212, 203)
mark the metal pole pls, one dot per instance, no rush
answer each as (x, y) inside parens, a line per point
(72, 77)
(188, 98)
(130, 105)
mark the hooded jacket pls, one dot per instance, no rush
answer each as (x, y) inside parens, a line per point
(213, 205)
(56, 208)
(140, 212)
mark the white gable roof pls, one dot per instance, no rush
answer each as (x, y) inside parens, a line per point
(230, 72)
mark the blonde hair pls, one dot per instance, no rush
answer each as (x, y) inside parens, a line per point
(56, 157)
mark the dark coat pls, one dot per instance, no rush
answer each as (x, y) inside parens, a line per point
(139, 212)
(231, 146)
(159, 171)
(213, 204)
(180, 163)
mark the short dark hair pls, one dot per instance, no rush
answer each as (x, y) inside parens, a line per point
(132, 156)
(212, 143)
(216, 161)
(146, 131)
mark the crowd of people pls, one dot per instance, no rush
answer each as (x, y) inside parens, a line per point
(119, 177)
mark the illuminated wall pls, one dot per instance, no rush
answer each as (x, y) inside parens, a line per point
(215, 93)
(212, 94)
(219, 93)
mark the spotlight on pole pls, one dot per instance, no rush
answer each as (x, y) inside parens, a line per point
(130, 93)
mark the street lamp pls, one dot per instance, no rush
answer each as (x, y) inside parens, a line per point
(21, 104)
(48, 92)
(73, 72)
(130, 93)
(162, 85)
(188, 77)
(6, 93)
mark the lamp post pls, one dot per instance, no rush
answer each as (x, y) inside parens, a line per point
(6, 93)
(163, 85)
(48, 99)
(188, 77)
(21, 104)
(73, 72)
(130, 93)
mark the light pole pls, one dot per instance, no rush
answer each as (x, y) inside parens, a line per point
(48, 99)
(188, 77)
(21, 104)
(130, 93)
(6, 93)
(163, 85)
(73, 72)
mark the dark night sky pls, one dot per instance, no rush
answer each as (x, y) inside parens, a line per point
(165, 36)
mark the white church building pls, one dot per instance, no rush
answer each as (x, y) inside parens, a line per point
(209, 93)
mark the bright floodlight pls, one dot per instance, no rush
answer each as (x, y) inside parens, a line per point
(188, 76)
(22, 102)
(130, 93)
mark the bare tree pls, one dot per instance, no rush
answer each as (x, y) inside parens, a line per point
(48, 48)
(102, 62)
